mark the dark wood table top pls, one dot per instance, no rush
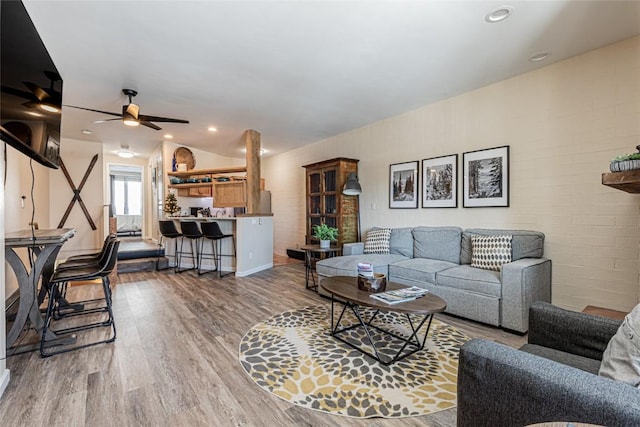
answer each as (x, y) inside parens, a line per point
(24, 238)
(317, 248)
(346, 287)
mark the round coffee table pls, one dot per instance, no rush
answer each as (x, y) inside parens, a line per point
(346, 290)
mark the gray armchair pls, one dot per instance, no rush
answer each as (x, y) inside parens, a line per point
(554, 377)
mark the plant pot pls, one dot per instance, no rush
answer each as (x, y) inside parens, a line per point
(624, 165)
(325, 244)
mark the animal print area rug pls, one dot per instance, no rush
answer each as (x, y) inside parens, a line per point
(293, 356)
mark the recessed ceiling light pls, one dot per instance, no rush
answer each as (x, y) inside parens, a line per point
(539, 57)
(499, 14)
(168, 136)
(86, 131)
(212, 129)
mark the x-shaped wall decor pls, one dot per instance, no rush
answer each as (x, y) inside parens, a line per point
(76, 193)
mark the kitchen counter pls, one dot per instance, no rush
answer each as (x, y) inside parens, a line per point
(253, 236)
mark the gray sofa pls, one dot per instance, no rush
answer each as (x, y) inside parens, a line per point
(554, 377)
(439, 258)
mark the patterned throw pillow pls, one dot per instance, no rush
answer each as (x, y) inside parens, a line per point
(377, 241)
(490, 252)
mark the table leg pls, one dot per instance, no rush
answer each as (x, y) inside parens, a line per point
(28, 282)
(416, 345)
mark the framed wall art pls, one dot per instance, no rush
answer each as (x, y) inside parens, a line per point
(486, 178)
(403, 185)
(440, 182)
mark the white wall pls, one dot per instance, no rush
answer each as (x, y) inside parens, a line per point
(563, 123)
(254, 244)
(18, 215)
(77, 157)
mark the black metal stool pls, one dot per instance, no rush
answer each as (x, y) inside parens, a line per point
(212, 232)
(191, 231)
(168, 230)
(58, 289)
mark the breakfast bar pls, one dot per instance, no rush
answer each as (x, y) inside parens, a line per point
(253, 236)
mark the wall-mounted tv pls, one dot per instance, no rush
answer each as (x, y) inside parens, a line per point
(31, 96)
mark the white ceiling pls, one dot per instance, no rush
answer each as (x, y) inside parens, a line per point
(297, 72)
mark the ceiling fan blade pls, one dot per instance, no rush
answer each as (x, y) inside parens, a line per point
(95, 111)
(149, 125)
(17, 92)
(160, 119)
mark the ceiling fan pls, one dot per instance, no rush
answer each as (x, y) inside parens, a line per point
(48, 99)
(130, 114)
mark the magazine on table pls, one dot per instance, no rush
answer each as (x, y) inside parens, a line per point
(397, 296)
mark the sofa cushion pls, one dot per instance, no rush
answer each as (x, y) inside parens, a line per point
(401, 242)
(574, 360)
(525, 243)
(621, 359)
(377, 241)
(490, 252)
(471, 279)
(418, 269)
(348, 265)
(439, 243)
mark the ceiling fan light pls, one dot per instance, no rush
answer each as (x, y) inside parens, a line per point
(130, 121)
(49, 107)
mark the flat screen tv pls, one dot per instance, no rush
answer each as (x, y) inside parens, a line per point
(31, 97)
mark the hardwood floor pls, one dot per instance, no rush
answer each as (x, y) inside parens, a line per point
(175, 360)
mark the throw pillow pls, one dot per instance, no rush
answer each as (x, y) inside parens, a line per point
(377, 241)
(621, 358)
(490, 252)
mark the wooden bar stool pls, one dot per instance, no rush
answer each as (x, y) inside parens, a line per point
(191, 231)
(212, 232)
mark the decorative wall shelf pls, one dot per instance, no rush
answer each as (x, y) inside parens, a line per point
(628, 181)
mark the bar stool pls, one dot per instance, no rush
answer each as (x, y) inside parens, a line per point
(212, 232)
(58, 284)
(168, 230)
(191, 231)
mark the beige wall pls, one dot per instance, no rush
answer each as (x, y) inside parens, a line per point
(77, 157)
(563, 124)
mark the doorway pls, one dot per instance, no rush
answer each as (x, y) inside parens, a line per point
(127, 203)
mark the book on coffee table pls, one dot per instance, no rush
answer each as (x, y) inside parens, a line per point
(397, 296)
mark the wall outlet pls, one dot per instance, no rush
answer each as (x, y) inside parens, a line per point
(35, 225)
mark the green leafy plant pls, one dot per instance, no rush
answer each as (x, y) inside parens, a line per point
(324, 232)
(623, 157)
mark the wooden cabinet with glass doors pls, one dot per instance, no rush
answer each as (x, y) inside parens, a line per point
(326, 203)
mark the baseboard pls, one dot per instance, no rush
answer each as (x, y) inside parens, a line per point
(4, 381)
(254, 270)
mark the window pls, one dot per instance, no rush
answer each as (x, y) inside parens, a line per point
(126, 194)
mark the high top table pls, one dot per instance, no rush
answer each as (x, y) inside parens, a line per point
(45, 245)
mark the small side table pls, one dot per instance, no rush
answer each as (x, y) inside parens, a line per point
(309, 258)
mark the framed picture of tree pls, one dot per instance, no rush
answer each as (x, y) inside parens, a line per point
(403, 185)
(440, 182)
(486, 178)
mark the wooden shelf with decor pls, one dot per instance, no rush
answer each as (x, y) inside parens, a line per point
(207, 189)
(325, 202)
(628, 181)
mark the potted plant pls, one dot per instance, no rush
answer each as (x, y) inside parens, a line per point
(325, 234)
(626, 162)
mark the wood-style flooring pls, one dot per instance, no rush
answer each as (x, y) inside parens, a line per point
(175, 360)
